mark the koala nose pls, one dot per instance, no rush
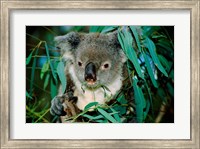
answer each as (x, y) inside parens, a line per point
(90, 72)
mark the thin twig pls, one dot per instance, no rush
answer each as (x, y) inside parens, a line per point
(162, 112)
(41, 117)
(29, 110)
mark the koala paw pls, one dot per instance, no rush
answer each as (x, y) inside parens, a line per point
(70, 107)
(57, 107)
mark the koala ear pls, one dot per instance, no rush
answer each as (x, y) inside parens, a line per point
(68, 41)
(113, 39)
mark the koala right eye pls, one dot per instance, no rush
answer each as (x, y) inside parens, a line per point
(80, 64)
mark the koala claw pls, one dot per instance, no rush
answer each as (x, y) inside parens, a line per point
(57, 106)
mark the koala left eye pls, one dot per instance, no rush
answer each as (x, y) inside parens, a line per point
(106, 65)
(79, 63)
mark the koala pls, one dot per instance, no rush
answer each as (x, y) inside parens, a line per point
(92, 60)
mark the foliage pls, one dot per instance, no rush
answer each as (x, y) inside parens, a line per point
(150, 64)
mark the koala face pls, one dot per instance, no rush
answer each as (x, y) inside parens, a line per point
(95, 65)
(97, 58)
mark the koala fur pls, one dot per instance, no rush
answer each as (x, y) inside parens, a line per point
(92, 60)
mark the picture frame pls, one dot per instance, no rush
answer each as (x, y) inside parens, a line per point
(8, 6)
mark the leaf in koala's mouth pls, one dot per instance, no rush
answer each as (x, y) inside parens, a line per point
(94, 86)
(91, 83)
(90, 86)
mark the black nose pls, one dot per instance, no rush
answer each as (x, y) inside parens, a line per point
(90, 72)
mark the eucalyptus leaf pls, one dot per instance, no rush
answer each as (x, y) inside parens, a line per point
(121, 109)
(100, 29)
(91, 104)
(149, 30)
(96, 28)
(28, 59)
(46, 81)
(131, 54)
(165, 62)
(33, 70)
(139, 101)
(106, 115)
(152, 50)
(150, 96)
(93, 28)
(45, 68)
(108, 29)
(116, 115)
(53, 88)
(121, 39)
(150, 70)
(51, 66)
(121, 99)
(92, 117)
(147, 109)
(135, 33)
(102, 121)
(170, 89)
(28, 95)
(62, 76)
(162, 94)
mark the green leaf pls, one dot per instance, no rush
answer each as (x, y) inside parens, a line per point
(166, 48)
(131, 54)
(133, 57)
(121, 39)
(46, 81)
(96, 28)
(149, 70)
(53, 89)
(100, 29)
(51, 66)
(165, 62)
(149, 30)
(33, 70)
(121, 109)
(91, 104)
(28, 95)
(150, 97)
(93, 28)
(158, 36)
(171, 75)
(62, 76)
(107, 115)
(108, 29)
(106, 88)
(139, 101)
(170, 89)
(165, 43)
(28, 59)
(102, 121)
(121, 99)
(152, 50)
(78, 28)
(147, 109)
(133, 28)
(93, 117)
(162, 95)
(45, 68)
(116, 115)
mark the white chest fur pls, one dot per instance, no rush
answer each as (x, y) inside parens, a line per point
(98, 95)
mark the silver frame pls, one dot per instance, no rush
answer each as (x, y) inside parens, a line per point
(193, 6)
